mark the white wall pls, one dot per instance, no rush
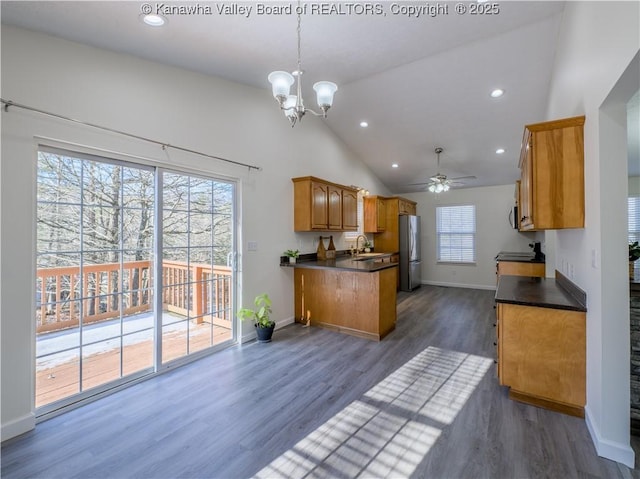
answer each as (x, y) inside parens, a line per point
(634, 186)
(163, 103)
(597, 43)
(493, 234)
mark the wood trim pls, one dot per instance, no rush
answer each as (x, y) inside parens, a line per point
(320, 180)
(553, 124)
(546, 404)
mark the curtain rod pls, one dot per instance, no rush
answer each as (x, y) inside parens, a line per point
(8, 103)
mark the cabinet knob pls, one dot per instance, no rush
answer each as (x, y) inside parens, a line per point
(494, 325)
(495, 344)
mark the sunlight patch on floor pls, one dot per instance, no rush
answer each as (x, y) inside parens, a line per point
(390, 430)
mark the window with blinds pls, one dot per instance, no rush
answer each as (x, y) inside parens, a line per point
(456, 233)
(634, 218)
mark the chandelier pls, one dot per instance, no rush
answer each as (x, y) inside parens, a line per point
(293, 105)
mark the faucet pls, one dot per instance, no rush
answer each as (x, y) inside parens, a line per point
(366, 240)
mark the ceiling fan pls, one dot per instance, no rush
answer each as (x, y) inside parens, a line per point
(439, 182)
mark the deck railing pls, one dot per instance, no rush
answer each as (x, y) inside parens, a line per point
(199, 291)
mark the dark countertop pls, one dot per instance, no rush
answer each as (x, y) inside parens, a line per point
(518, 257)
(345, 263)
(540, 292)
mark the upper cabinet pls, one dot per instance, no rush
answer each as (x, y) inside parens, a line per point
(406, 207)
(350, 209)
(375, 214)
(551, 192)
(320, 205)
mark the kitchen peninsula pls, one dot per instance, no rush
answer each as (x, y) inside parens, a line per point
(353, 295)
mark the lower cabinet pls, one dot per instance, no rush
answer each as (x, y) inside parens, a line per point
(352, 302)
(542, 356)
(520, 268)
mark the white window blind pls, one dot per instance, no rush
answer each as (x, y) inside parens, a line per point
(456, 232)
(634, 218)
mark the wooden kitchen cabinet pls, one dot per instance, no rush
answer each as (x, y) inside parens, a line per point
(520, 268)
(389, 239)
(320, 205)
(542, 356)
(406, 207)
(552, 175)
(350, 209)
(375, 214)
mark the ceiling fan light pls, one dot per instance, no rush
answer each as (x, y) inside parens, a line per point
(432, 188)
(439, 188)
(280, 83)
(445, 187)
(325, 91)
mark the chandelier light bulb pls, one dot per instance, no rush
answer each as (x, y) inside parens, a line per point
(280, 83)
(325, 90)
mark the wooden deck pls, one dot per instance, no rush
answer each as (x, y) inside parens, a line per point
(62, 380)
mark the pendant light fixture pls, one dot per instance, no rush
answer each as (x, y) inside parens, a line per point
(293, 105)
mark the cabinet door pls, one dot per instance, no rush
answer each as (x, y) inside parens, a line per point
(381, 214)
(526, 188)
(375, 214)
(349, 210)
(335, 208)
(319, 205)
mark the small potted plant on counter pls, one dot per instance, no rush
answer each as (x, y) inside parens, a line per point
(292, 254)
(260, 317)
(367, 246)
(634, 254)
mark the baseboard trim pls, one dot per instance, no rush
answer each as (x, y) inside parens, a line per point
(616, 451)
(18, 426)
(459, 285)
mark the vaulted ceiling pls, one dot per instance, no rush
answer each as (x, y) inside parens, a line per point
(419, 81)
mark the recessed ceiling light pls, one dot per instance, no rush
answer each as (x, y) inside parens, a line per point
(154, 20)
(394, 165)
(500, 151)
(497, 93)
(364, 124)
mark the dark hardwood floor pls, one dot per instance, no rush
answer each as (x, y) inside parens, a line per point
(316, 403)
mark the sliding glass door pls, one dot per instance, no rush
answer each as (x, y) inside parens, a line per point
(100, 225)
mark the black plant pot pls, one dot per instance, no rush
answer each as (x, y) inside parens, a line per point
(264, 334)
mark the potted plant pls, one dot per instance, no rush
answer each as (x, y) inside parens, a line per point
(367, 246)
(260, 317)
(292, 254)
(634, 254)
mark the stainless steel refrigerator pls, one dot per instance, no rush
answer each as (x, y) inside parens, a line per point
(410, 253)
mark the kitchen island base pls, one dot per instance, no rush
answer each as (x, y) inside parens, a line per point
(351, 302)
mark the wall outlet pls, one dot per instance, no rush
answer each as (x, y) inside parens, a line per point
(594, 258)
(252, 246)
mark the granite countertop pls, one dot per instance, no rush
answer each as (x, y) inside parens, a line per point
(345, 262)
(518, 257)
(540, 292)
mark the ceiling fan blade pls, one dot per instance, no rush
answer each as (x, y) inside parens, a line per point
(419, 184)
(464, 178)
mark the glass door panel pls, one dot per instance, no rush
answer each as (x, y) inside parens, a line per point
(197, 244)
(94, 264)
